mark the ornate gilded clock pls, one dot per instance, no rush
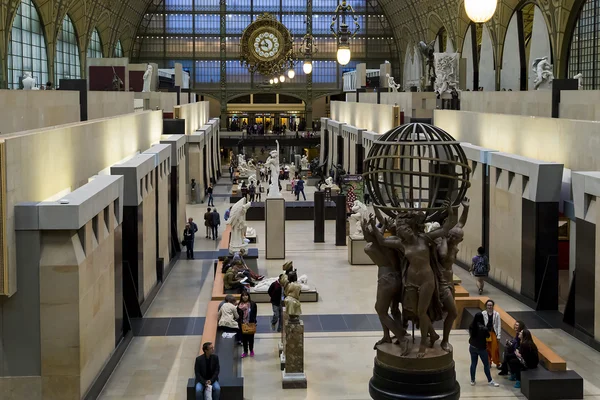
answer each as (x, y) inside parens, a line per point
(266, 46)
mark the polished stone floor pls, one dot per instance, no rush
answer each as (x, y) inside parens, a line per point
(338, 361)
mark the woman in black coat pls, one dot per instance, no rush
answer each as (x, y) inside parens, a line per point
(527, 357)
(478, 334)
(247, 311)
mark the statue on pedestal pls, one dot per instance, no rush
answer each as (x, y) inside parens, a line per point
(292, 290)
(356, 220)
(28, 81)
(147, 79)
(543, 72)
(272, 164)
(392, 83)
(237, 220)
(428, 51)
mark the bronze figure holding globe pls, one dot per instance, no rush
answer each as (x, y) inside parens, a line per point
(417, 175)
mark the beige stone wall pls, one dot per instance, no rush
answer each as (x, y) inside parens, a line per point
(181, 217)
(535, 103)
(196, 115)
(572, 143)
(21, 387)
(472, 239)
(77, 303)
(22, 110)
(163, 213)
(109, 104)
(163, 100)
(373, 117)
(149, 235)
(414, 104)
(506, 205)
(66, 157)
(580, 104)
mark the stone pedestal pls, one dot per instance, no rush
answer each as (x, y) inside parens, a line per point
(356, 252)
(293, 375)
(412, 378)
(275, 228)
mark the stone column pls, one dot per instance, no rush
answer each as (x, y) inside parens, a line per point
(293, 375)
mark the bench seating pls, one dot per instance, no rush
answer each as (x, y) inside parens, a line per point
(231, 379)
(550, 380)
(460, 291)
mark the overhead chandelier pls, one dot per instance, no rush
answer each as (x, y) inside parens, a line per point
(344, 34)
(480, 11)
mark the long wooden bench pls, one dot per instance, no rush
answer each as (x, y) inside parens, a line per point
(550, 360)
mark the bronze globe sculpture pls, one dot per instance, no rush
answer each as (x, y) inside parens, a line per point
(416, 167)
(417, 176)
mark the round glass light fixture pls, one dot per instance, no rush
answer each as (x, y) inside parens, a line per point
(282, 78)
(276, 80)
(307, 67)
(343, 54)
(271, 81)
(480, 10)
(291, 73)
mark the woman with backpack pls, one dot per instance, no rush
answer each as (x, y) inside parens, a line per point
(480, 268)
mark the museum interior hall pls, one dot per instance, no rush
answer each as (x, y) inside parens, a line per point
(399, 199)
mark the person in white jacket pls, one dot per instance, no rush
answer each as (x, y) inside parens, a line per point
(228, 317)
(492, 321)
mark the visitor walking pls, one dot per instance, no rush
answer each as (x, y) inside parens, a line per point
(300, 189)
(207, 222)
(527, 357)
(478, 334)
(193, 225)
(275, 293)
(188, 241)
(216, 221)
(480, 268)
(209, 192)
(247, 311)
(492, 322)
(259, 191)
(206, 369)
(252, 191)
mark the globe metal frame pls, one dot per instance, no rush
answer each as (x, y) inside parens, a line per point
(416, 167)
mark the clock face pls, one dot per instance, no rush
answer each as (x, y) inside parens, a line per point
(266, 45)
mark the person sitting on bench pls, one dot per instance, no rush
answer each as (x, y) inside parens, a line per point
(510, 347)
(206, 370)
(238, 261)
(527, 357)
(231, 282)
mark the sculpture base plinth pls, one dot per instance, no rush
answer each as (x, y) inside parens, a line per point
(356, 252)
(293, 375)
(412, 378)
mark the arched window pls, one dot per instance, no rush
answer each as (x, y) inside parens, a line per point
(584, 53)
(95, 46)
(66, 63)
(118, 50)
(27, 47)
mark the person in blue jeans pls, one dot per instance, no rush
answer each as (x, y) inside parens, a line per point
(207, 370)
(275, 293)
(216, 221)
(209, 192)
(300, 189)
(478, 334)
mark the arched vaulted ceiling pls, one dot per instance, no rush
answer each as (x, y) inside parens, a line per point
(411, 20)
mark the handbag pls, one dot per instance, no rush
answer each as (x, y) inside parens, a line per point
(249, 328)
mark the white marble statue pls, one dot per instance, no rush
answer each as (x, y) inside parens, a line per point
(147, 79)
(272, 165)
(579, 78)
(237, 220)
(292, 171)
(392, 83)
(263, 286)
(446, 72)
(245, 168)
(329, 184)
(361, 213)
(304, 163)
(252, 179)
(543, 73)
(28, 81)
(250, 232)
